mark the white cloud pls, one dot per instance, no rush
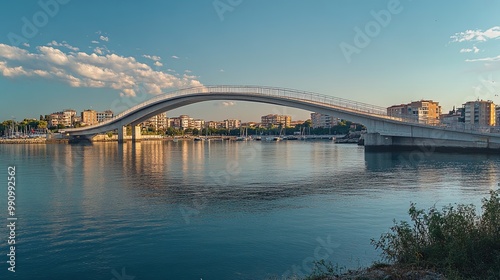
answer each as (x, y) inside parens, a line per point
(477, 35)
(175, 57)
(14, 53)
(98, 50)
(104, 38)
(187, 71)
(159, 64)
(12, 71)
(96, 70)
(95, 42)
(26, 45)
(487, 59)
(152, 57)
(63, 44)
(227, 103)
(467, 50)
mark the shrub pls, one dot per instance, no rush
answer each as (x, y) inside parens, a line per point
(455, 241)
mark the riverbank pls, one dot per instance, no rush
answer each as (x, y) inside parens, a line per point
(114, 138)
(24, 141)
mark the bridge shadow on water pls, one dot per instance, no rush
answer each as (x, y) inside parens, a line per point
(383, 161)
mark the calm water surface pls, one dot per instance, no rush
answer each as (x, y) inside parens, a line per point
(233, 210)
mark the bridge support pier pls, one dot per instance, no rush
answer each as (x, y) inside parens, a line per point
(375, 141)
(122, 132)
(136, 133)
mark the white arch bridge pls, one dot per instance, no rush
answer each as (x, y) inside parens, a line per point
(383, 131)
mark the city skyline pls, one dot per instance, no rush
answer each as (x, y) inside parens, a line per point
(68, 54)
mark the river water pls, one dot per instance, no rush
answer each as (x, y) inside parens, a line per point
(218, 210)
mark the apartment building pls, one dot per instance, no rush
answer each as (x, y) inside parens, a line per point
(275, 120)
(89, 117)
(323, 121)
(66, 118)
(480, 113)
(157, 122)
(423, 111)
(103, 116)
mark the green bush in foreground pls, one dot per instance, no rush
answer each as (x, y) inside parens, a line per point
(455, 241)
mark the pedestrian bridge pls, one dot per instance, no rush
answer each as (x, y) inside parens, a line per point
(383, 131)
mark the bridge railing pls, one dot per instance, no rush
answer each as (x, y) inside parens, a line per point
(304, 96)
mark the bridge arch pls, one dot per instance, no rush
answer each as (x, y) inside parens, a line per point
(358, 112)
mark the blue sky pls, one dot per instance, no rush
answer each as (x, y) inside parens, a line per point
(88, 54)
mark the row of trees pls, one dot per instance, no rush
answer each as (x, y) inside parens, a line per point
(306, 128)
(342, 128)
(23, 125)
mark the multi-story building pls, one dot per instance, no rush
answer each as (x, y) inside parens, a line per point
(497, 114)
(480, 113)
(197, 124)
(398, 110)
(157, 122)
(53, 120)
(232, 124)
(66, 118)
(275, 120)
(103, 116)
(77, 119)
(423, 111)
(249, 124)
(89, 117)
(184, 121)
(323, 121)
(216, 124)
(295, 123)
(453, 117)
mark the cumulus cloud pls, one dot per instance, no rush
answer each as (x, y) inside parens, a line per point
(477, 35)
(467, 50)
(159, 64)
(152, 57)
(99, 50)
(104, 38)
(26, 45)
(95, 42)
(175, 57)
(63, 44)
(95, 70)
